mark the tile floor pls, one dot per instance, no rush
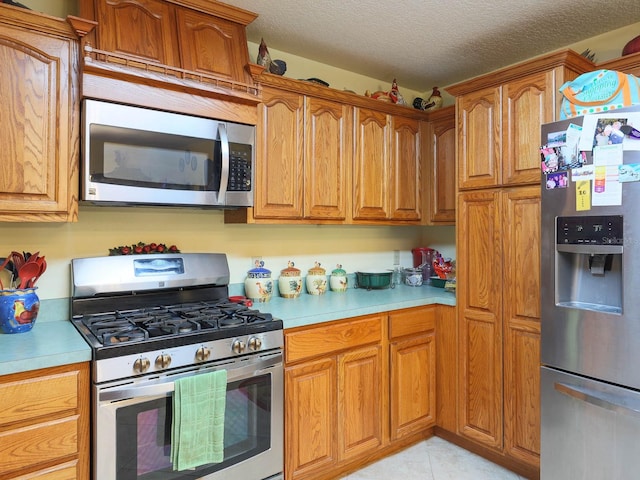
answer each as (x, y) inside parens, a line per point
(434, 459)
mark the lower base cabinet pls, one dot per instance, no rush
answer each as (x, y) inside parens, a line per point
(413, 371)
(44, 426)
(357, 389)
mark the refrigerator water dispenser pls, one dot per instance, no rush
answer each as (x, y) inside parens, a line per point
(589, 262)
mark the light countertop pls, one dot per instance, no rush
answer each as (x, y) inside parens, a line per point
(55, 341)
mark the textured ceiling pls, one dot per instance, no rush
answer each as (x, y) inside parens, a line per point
(424, 43)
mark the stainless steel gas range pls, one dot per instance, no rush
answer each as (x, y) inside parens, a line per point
(153, 321)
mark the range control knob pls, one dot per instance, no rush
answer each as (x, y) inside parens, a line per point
(163, 360)
(255, 343)
(141, 365)
(238, 346)
(203, 354)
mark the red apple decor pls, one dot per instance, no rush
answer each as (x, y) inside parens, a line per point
(142, 248)
(633, 46)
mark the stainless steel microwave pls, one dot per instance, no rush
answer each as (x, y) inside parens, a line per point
(139, 156)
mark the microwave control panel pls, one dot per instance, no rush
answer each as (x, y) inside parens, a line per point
(239, 167)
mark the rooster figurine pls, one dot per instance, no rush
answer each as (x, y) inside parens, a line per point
(433, 102)
(277, 67)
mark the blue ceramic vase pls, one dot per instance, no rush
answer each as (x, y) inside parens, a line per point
(18, 309)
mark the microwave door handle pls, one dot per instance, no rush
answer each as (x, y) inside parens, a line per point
(224, 173)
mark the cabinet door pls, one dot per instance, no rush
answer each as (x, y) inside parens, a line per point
(527, 103)
(521, 313)
(310, 417)
(371, 166)
(143, 28)
(405, 173)
(440, 169)
(479, 246)
(360, 401)
(279, 157)
(413, 385)
(40, 112)
(45, 423)
(328, 154)
(479, 116)
(212, 45)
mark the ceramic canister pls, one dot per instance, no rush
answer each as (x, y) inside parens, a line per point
(316, 280)
(258, 286)
(18, 309)
(290, 281)
(338, 279)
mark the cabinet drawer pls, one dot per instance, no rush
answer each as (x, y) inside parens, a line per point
(325, 339)
(37, 444)
(38, 397)
(412, 321)
(65, 471)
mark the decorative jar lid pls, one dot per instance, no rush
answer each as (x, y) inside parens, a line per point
(317, 270)
(338, 271)
(259, 271)
(290, 271)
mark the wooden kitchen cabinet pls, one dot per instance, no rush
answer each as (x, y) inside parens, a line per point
(44, 427)
(405, 193)
(335, 396)
(194, 35)
(326, 156)
(304, 144)
(479, 297)
(521, 318)
(279, 149)
(371, 175)
(412, 374)
(439, 166)
(144, 29)
(40, 90)
(499, 117)
(212, 45)
(386, 170)
(499, 321)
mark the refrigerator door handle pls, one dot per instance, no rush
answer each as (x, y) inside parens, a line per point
(599, 399)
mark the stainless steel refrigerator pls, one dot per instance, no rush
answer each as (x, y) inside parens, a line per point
(590, 305)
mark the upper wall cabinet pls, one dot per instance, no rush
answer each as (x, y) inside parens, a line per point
(186, 56)
(499, 117)
(439, 166)
(39, 111)
(195, 35)
(325, 156)
(304, 147)
(143, 29)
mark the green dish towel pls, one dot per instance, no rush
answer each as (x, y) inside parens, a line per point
(197, 429)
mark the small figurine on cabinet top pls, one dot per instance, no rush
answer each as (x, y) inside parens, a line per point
(277, 67)
(392, 96)
(432, 103)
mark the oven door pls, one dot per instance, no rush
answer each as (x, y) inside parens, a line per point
(132, 434)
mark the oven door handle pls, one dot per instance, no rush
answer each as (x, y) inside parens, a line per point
(163, 387)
